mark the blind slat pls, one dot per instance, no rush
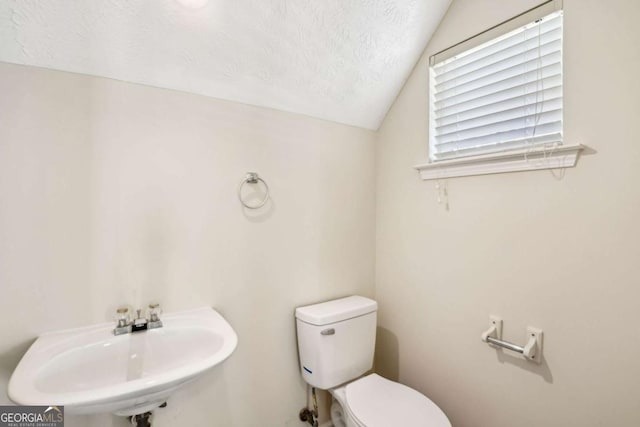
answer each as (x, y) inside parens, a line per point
(532, 76)
(502, 146)
(534, 43)
(496, 138)
(522, 89)
(496, 128)
(511, 114)
(532, 58)
(457, 115)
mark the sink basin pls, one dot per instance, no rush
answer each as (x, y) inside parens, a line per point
(89, 370)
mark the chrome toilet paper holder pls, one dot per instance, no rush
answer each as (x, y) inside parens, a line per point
(532, 350)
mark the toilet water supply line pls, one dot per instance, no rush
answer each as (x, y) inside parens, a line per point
(315, 406)
(314, 414)
(311, 416)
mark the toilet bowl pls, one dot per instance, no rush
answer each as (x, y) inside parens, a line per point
(336, 342)
(374, 401)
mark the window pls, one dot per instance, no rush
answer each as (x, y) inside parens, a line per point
(499, 100)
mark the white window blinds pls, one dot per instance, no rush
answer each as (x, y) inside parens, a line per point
(501, 95)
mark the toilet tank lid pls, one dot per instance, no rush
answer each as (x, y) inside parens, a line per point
(336, 310)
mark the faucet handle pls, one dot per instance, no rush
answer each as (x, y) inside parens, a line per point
(123, 316)
(153, 314)
(123, 320)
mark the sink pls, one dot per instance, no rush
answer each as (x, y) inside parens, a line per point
(89, 370)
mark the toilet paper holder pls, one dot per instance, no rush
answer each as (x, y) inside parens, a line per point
(532, 350)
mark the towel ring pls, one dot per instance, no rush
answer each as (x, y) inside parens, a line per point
(253, 178)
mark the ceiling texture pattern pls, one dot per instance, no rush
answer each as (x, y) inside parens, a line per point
(338, 60)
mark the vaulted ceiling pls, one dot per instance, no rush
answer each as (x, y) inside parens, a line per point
(338, 60)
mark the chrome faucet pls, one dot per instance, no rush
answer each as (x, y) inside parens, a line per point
(125, 325)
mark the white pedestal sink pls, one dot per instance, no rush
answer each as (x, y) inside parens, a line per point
(89, 370)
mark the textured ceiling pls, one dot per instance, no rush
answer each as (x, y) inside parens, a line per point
(339, 60)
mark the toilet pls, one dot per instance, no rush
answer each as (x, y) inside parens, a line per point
(336, 341)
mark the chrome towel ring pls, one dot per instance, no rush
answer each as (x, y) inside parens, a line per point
(253, 178)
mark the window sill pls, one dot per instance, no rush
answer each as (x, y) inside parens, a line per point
(516, 161)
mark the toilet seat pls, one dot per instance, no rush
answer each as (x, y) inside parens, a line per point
(374, 401)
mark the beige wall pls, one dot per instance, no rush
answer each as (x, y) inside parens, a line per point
(560, 255)
(115, 193)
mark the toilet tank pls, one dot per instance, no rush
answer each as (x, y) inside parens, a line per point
(336, 340)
